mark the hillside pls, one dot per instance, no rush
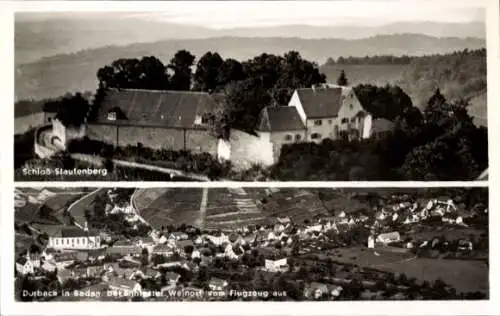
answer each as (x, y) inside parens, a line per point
(458, 75)
(57, 75)
(46, 34)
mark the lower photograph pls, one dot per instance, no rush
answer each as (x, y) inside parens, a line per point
(251, 244)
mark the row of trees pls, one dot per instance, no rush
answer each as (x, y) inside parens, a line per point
(369, 60)
(249, 86)
(396, 60)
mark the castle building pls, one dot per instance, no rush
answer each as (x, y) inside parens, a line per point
(178, 120)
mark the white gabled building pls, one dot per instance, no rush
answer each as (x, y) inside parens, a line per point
(276, 265)
(75, 238)
(328, 111)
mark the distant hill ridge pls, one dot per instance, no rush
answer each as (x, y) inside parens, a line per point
(57, 75)
(39, 35)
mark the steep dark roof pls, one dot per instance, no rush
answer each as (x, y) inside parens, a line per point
(381, 125)
(152, 107)
(77, 232)
(281, 118)
(321, 101)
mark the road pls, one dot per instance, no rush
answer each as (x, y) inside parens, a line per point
(99, 161)
(77, 209)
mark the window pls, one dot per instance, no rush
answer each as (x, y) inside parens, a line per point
(351, 106)
(315, 136)
(353, 119)
(318, 122)
(345, 120)
(330, 122)
(56, 241)
(288, 137)
(112, 116)
(198, 120)
(298, 137)
(49, 119)
(77, 241)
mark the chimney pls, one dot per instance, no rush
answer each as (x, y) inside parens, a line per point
(86, 226)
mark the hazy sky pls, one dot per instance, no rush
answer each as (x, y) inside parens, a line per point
(225, 14)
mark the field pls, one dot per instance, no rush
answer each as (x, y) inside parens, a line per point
(450, 233)
(367, 74)
(478, 109)
(228, 207)
(298, 204)
(29, 200)
(221, 208)
(164, 207)
(463, 275)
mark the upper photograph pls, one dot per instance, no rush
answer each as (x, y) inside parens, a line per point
(253, 91)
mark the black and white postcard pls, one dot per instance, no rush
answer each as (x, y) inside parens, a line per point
(234, 158)
(251, 244)
(271, 91)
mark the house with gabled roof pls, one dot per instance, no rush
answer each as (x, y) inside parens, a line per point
(280, 125)
(332, 112)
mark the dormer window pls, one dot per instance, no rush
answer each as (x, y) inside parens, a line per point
(198, 120)
(112, 116)
(115, 114)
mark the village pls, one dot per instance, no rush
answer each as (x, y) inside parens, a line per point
(336, 257)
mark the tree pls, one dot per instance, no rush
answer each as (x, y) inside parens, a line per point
(386, 102)
(231, 70)
(207, 72)
(72, 110)
(447, 145)
(295, 73)
(181, 65)
(244, 101)
(131, 73)
(342, 79)
(145, 257)
(437, 108)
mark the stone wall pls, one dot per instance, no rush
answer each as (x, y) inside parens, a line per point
(247, 149)
(195, 140)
